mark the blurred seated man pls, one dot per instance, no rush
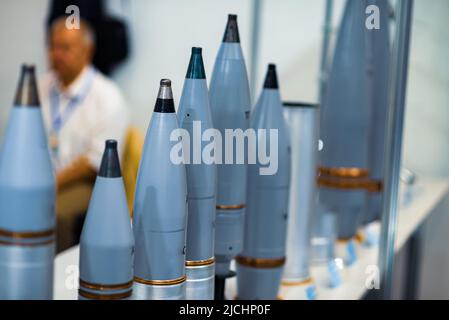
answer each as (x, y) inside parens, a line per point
(81, 109)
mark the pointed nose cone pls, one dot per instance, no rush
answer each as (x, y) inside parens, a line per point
(271, 79)
(110, 165)
(232, 30)
(26, 95)
(164, 102)
(196, 65)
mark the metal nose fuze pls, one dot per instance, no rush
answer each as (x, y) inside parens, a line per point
(160, 209)
(194, 109)
(27, 234)
(230, 106)
(107, 242)
(260, 265)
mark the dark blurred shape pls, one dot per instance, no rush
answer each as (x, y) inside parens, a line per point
(110, 165)
(232, 30)
(26, 94)
(112, 45)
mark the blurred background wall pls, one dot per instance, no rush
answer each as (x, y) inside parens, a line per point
(162, 33)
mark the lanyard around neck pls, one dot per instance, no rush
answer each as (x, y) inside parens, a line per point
(60, 118)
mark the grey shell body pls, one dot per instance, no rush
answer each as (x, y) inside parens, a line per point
(267, 203)
(194, 109)
(345, 117)
(160, 207)
(230, 106)
(107, 241)
(379, 59)
(27, 199)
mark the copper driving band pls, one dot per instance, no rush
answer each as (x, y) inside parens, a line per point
(161, 282)
(113, 296)
(230, 207)
(27, 234)
(104, 287)
(260, 263)
(344, 172)
(308, 281)
(200, 262)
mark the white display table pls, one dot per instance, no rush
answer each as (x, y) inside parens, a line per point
(427, 196)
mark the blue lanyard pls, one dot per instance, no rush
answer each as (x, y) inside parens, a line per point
(58, 118)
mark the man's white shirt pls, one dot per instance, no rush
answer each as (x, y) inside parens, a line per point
(100, 115)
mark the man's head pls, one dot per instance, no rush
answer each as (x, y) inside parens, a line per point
(70, 50)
